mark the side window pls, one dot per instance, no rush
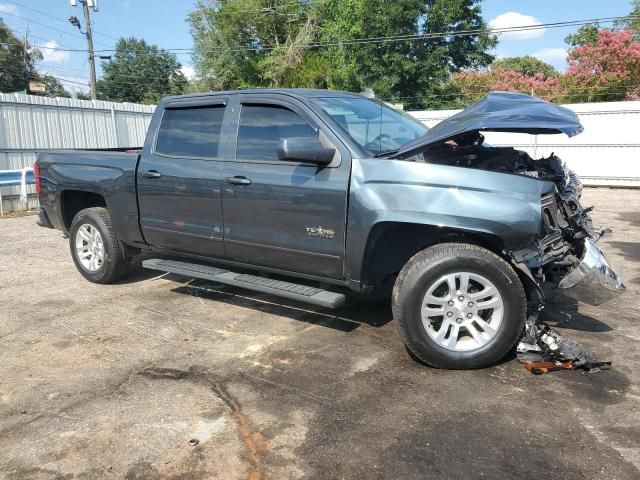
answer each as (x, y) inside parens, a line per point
(262, 127)
(190, 132)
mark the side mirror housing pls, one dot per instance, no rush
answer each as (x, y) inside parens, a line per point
(305, 149)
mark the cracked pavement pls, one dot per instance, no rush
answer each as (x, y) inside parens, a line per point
(163, 377)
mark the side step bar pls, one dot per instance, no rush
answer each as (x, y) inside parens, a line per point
(289, 290)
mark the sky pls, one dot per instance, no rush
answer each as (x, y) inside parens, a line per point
(163, 22)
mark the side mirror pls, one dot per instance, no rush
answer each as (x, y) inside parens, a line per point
(305, 149)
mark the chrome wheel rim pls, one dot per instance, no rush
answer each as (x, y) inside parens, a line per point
(462, 311)
(89, 247)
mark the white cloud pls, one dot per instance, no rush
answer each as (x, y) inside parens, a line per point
(188, 72)
(515, 19)
(7, 8)
(50, 54)
(551, 55)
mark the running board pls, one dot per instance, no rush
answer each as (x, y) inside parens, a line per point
(293, 291)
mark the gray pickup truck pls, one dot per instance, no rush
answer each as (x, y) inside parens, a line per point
(311, 194)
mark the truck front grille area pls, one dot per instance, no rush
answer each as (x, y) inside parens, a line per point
(552, 243)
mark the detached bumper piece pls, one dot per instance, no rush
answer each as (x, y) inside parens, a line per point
(593, 281)
(543, 350)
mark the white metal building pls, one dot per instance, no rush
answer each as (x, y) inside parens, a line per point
(29, 124)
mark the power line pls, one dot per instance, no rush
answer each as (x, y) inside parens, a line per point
(393, 38)
(59, 19)
(30, 20)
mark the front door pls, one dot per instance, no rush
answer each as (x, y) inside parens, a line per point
(287, 215)
(179, 180)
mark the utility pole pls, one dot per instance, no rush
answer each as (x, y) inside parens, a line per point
(87, 33)
(25, 58)
(92, 61)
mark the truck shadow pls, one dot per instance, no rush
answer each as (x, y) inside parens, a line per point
(563, 312)
(355, 313)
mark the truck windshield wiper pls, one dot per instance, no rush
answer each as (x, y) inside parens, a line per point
(386, 152)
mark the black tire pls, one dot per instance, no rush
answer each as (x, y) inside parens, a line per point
(425, 268)
(116, 262)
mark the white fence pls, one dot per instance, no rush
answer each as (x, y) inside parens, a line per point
(607, 153)
(29, 124)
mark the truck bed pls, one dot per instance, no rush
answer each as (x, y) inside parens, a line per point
(108, 175)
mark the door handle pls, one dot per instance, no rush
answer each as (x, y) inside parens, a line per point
(238, 180)
(151, 174)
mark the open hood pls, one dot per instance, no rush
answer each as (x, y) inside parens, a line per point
(501, 112)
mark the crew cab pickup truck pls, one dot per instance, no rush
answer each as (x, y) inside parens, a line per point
(311, 194)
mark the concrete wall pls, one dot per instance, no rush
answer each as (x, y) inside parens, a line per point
(607, 153)
(29, 124)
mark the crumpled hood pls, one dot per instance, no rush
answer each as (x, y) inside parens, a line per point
(502, 112)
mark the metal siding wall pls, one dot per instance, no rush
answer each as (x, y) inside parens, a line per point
(607, 153)
(29, 124)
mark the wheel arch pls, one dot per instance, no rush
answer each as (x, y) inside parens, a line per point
(72, 201)
(391, 244)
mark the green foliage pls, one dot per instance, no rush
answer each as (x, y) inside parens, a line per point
(633, 22)
(140, 73)
(17, 67)
(586, 34)
(526, 65)
(289, 43)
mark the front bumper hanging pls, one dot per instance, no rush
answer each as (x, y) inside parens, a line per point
(593, 281)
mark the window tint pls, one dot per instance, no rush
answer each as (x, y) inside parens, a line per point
(190, 132)
(262, 127)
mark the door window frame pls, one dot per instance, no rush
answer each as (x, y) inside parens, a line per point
(223, 135)
(290, 103)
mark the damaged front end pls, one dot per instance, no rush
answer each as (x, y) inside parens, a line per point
(564, 259)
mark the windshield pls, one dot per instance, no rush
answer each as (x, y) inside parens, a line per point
(372, 124)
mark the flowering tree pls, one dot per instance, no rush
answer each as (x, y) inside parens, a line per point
(605, 70)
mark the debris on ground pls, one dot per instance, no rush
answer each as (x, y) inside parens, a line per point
(542, 350)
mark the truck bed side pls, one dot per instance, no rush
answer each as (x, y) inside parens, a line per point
(72, 180)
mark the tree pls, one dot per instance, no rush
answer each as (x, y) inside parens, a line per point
(17, 64)
(468, 87)
(608, 70)
(526, 65)
(247, 43)
(404, 71)
(140, 73)
(632, 22)
(586, 34)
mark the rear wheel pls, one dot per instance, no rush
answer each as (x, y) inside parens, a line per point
(95, 248)
(459, 306)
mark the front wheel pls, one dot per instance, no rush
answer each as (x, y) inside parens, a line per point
(95, 249)
(459, 306)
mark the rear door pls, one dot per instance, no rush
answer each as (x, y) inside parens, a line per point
(288, 215)
(179, 179)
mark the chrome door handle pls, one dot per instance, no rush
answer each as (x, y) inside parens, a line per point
(238, 180)
(151, 174)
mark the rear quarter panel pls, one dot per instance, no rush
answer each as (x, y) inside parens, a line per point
(109, 174)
